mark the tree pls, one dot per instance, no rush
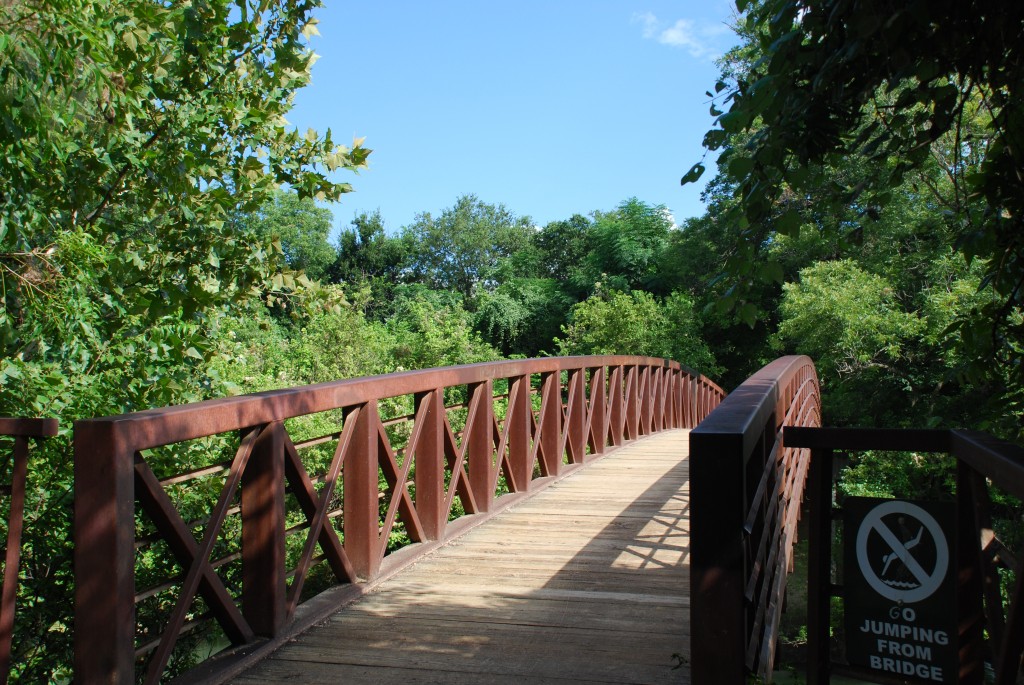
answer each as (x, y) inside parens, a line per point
(901, 86)
(169, 118)
(522, 316)
(626, 244)
(563, 246)
(368, 257)
(461, 249)
(298, 225)
(131, 131)
(637, 323)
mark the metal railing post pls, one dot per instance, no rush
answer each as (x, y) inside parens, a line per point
(481, 445)
(263, 553)
(361, 484)
(599, 424)
(430, 494)
(104, 533)
(819, 566)
(551, 424)
(717, 607)
(577, 416)
(519, 422)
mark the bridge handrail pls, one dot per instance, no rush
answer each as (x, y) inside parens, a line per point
(22, 430)
(580, 405)
(745, 492)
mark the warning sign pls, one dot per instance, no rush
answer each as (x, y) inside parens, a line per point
(899, 591)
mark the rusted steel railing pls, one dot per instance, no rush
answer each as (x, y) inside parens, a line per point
(21, 430)
(989, 632)
(376, 458)
(745, 492)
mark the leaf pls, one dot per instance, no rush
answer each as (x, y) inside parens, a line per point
(310, 30)
(789, 223)
(193, 353)
(734, 121)
(772, 271)
(740, 166)
(747, 313)
(693, 175)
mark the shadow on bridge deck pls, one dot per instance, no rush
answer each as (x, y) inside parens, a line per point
(588, 581)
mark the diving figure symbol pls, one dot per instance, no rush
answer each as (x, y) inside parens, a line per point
(894, 555)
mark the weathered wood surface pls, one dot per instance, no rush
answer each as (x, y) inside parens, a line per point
(587, 582)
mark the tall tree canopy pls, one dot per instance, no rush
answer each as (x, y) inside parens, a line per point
(462, 248)
(924, 90)
(131, 130)
(299, 227)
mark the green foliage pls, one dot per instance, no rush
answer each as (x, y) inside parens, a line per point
(297, 226)
(368, 257)
(132, 133)
(903, 90)
(626, 245)
(563, 246)
(637, 323)
(435, 331)
(846, 319)
(523, 315)
(461, 249)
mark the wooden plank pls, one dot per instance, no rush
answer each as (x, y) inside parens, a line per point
(587, 581)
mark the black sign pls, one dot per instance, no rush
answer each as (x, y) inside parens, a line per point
(899, 588)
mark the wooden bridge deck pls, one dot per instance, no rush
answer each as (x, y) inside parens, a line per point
(587, 581)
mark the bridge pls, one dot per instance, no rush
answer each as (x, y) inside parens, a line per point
(590, 519)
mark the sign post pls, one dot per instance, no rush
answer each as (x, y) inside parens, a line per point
(899, 588)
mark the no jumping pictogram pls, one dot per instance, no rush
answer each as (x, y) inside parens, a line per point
(902, 552)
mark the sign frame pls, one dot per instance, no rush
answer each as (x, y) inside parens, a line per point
(899, 588)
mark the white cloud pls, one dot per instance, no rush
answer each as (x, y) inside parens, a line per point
(649, 21)
(685, 34)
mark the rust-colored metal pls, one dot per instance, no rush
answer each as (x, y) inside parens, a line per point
(604, 400)
(598, 416)
(551, 444)
(263, 582)
(427, 449)
(22, 430)
(746, 486)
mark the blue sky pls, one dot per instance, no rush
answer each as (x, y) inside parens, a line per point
(550, 108)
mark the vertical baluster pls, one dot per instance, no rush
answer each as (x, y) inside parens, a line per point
(632, 404)
(15, 521)
(263, 554)
(646, 406)
(658, 391)
(361, 486)
(819, 566)
(551, 423)
(479, 439)
(599, 422)
(104, 531)
(430, 462)
(520, 430)
(616, 416)
(671, 400)
(970, 615)
(577, 420)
